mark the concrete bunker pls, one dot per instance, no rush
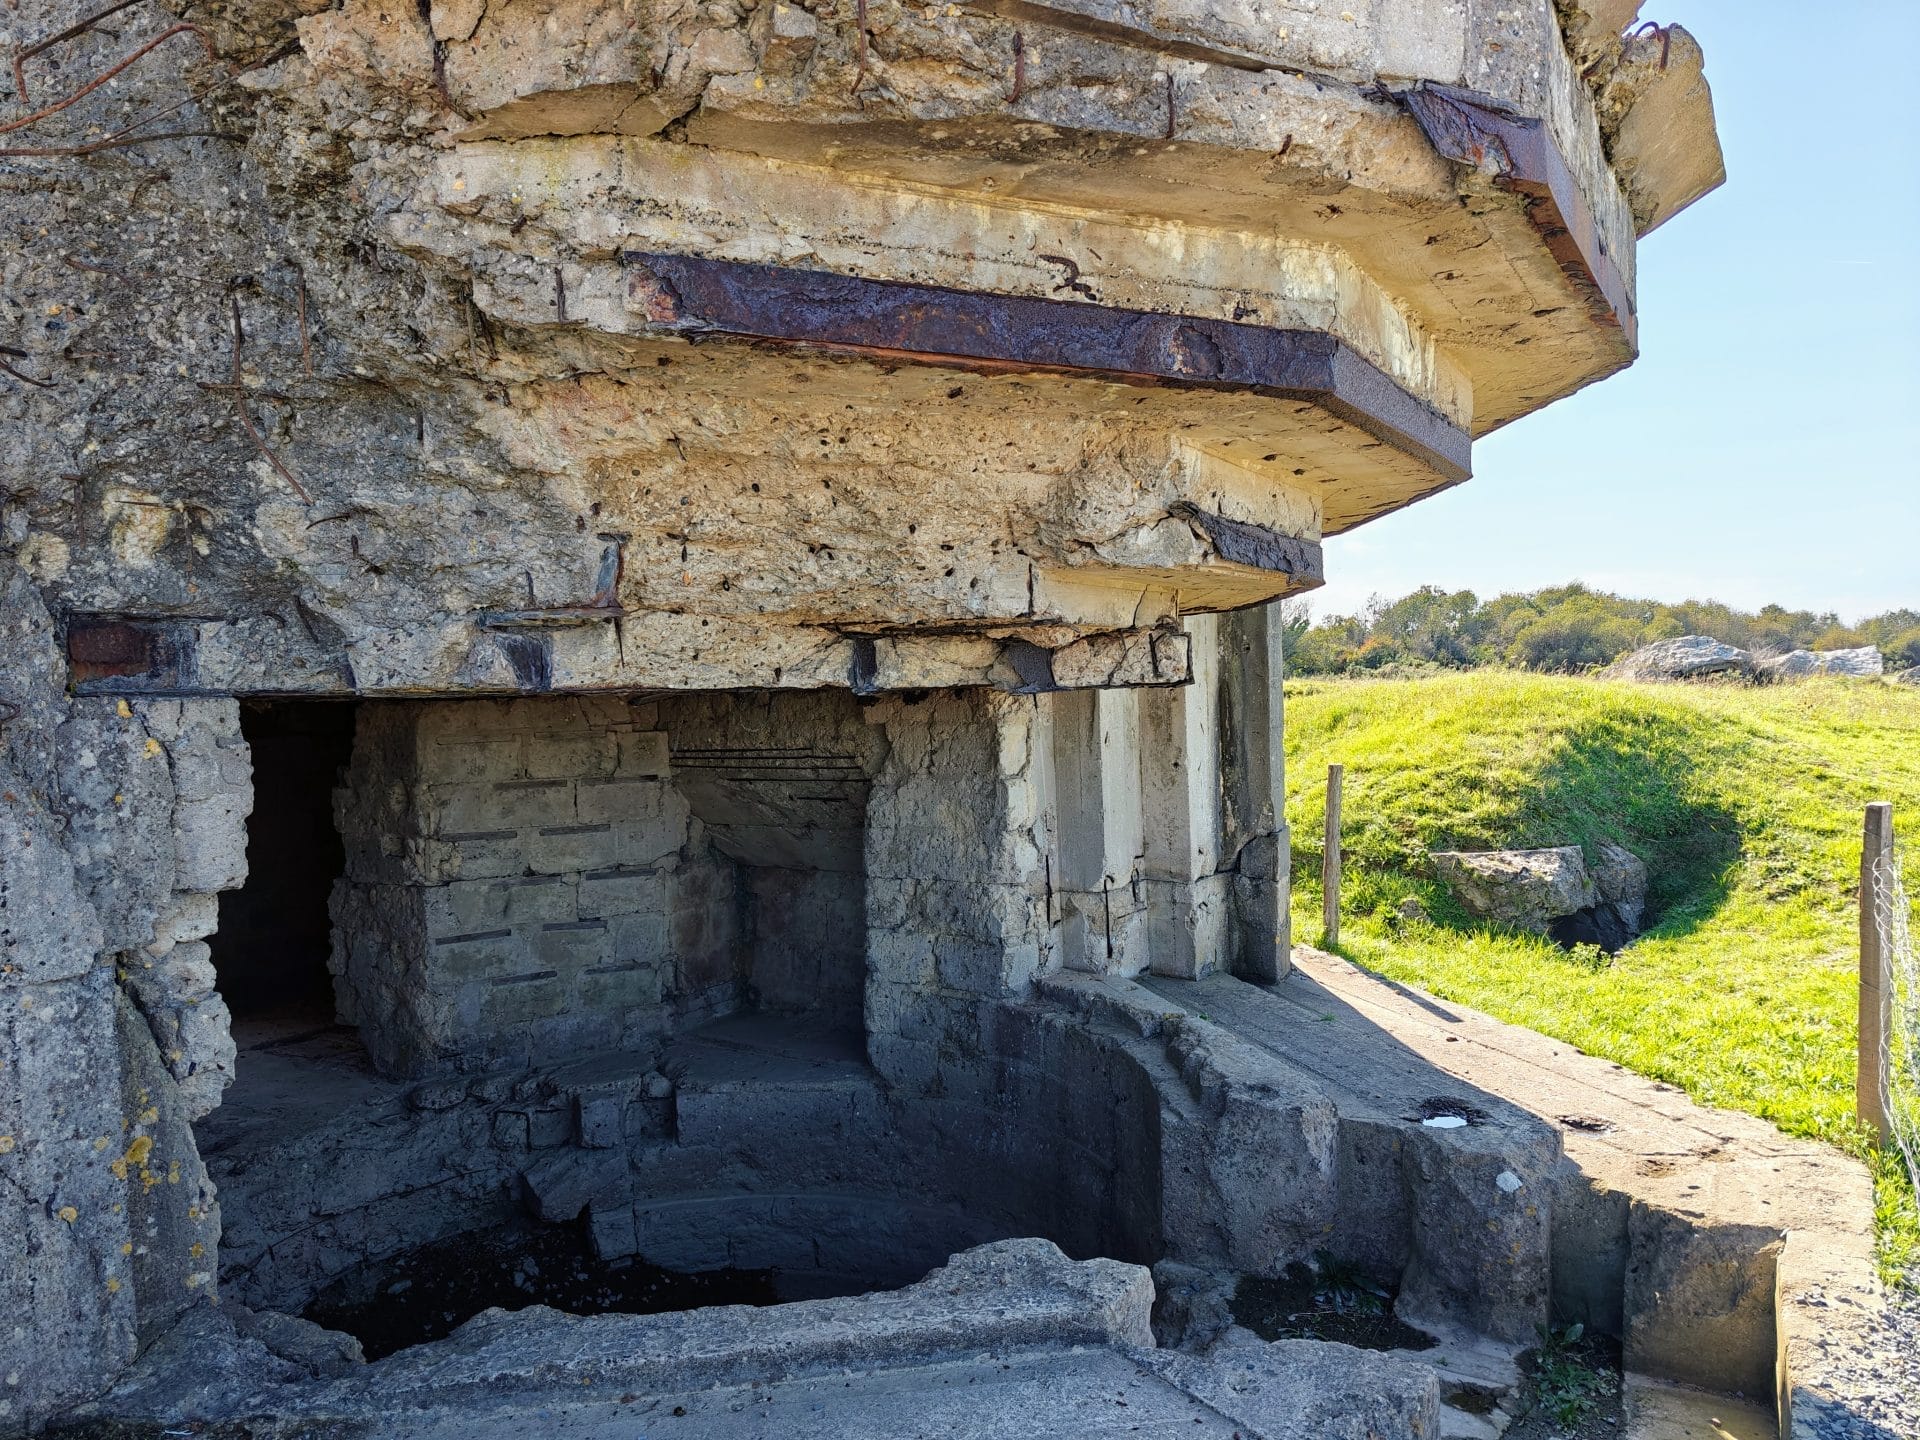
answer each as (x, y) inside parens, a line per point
(796, 550)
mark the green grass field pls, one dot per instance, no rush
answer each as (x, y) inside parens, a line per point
(1746, 805)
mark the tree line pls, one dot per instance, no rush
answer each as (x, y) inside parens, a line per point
(1564, 629)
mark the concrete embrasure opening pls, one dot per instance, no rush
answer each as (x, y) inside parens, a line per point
(560, 1001)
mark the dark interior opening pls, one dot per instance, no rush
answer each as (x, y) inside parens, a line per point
(428, 1292)
(271, 947)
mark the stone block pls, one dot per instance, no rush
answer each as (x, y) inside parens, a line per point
(171, 1208)
(621, 801)
(512, 805)
(541, 900)
(483, 955)
(639, 938)
(479, 855)
(572, 945)
(514, 1000)
(187, 917)
(48, 930)
(563, 849)
(622, 890)
(478, 758)
(612, 1229)
(465, 907)
(651, 842)
(611, 988)
(511, 1130)
(550, 1127)
(206, 766)
(642, 754)
(600, 1120)
(560, 1187)
(570, 754)
(184, 973)
(210, 842)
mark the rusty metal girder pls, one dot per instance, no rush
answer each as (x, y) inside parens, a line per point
(1472, 130)
(982, 331)
(1242, 543)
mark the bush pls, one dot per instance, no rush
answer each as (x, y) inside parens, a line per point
(1562, 629)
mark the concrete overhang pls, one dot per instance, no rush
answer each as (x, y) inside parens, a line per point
(1449, 163)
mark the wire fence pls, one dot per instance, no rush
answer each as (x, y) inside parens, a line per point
(1900, 1059)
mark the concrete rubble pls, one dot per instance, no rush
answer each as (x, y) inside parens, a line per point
(661, 619)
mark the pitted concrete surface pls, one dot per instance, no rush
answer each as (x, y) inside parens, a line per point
(1096, 1392)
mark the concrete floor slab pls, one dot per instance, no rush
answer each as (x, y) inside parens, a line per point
(1657, 1410)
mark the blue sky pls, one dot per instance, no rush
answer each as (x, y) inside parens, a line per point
(1764, 446)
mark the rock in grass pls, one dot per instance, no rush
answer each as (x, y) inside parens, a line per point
(1552, 892)
(1690, 657)
(1527, 889)
(1800, 664)
(1621, 877)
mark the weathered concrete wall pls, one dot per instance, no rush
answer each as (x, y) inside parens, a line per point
(116, 828)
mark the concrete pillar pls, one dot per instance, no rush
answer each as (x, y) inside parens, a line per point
(1256, 844)
(1188, 901)
(1096, 768)
(959, 852)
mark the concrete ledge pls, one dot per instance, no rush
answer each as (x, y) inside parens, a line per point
(1727, 1254)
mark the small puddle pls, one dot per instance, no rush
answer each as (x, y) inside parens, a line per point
(426, 1293)
(1334, 1304)
(1445, 1112)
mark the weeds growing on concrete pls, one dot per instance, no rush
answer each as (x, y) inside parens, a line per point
(1568, 1380)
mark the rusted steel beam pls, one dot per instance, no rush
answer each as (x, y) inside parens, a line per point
(1242, 543)
(1470, 129)
(1076, 22)
(979, 330)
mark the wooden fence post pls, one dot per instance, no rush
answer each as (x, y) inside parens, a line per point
(1876, 978)
(1330, 860)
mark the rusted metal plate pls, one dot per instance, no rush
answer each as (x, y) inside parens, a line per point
(1471, 129)
(108, 655)
(979, 330)
(1079, 21)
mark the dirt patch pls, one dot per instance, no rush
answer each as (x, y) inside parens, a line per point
(1570, 1390)
(1335, 1303)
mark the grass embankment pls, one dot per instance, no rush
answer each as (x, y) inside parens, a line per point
(1746, 805)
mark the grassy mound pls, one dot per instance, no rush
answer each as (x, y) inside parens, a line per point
(1746, 805)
